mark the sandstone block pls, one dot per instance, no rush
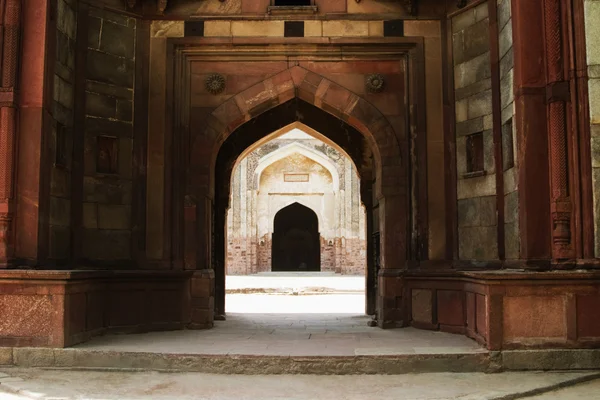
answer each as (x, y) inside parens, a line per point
(65, 52)
(469, 126)
(66, 20)
(534, 317)
(168, 29)
(461, 108)
(100, 190)
(422, 28)
(345, 28)
(473, 89)
(100, 106)
(487, 211)
(6, 356)
(99, 244)
(594, 93)
(505, 40)
(114, 216)
(506, 89)
(60, 182)
(118, 40)
(111, 69)
(313, 28)
(94, 28)
(117, 18)
(103, 126)
(511, 241)
(477, 243)
(511, 207)
(59, 242)
(422, 306)
(504, 12)
(90, 215)
(375, 28)
(479, 186)
(596, 185)
(488, 152)
(217, 28)
(488, 122)
(476, 40)
(60, 211)
(473, 70)
(507, 63)
(257, 28)
(463, 20)
(480, 105)
(33, 357)
(124, 110)
(468, 214)
(592, 16)
(63, 92)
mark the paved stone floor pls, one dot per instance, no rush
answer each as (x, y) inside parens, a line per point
(278, 325)
(21, 384)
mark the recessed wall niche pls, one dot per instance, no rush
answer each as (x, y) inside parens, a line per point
(107, 150)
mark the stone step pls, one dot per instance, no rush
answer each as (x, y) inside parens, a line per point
(257, 364)
(251, 364)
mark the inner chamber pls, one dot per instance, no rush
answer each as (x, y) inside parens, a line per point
(296, 240)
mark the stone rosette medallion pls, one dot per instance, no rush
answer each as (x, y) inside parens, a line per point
(215, 83)
(374, 83)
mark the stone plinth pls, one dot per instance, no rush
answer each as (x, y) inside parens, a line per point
(508, 309)
(63, 308)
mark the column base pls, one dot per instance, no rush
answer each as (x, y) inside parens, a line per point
(391, 309)
(202, 291)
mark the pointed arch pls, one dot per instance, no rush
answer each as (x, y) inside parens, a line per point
(298, 148)
(298, 82)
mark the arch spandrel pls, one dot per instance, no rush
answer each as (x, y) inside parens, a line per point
(298, 82)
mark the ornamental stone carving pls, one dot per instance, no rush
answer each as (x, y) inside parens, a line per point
(215, 83)
(374, 83)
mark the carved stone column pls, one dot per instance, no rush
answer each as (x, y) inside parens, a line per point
(557, 94)
(10, 18)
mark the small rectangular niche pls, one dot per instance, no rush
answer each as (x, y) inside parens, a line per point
(475, 164)
(280, 7)
(393, 28)
(508, 156)
(107, 150)
(296, 177)
(193, 28)
(293, 29)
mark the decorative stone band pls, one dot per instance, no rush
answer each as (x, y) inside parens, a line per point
(276, 28)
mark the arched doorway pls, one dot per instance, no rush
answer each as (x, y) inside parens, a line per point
(296, 244)
(379, 151)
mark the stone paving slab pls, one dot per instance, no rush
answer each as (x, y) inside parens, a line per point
(67, 385)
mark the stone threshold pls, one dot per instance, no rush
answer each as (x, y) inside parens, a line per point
(256, 364)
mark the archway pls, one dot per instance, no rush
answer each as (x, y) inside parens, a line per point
(296, 244)
(345, 118)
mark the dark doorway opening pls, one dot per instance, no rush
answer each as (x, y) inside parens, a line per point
(296, 240)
